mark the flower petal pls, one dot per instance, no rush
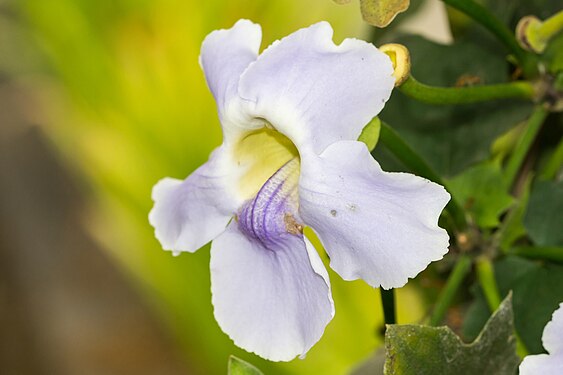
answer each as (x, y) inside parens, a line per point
(274, 301)
(188, 214)
(542, 364)
(552, 337)
(225, 54)
(377, 226)
(314, 91)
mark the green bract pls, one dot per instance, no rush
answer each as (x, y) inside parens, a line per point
(239, 367)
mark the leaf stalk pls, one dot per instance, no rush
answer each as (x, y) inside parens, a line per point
(446, 297)
(523, 146)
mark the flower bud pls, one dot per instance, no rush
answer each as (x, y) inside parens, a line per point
(401, 60)
(529, 36)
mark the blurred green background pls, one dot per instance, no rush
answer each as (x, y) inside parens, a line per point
(99, 100)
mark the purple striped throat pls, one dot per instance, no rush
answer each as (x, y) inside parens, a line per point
(272, 214)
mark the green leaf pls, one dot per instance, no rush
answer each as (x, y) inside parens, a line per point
(380, 13)
(544, 215)
(537, 289)
(421, 350)
(239, 367)
(370, 133)
(451, 138)
(482, 191)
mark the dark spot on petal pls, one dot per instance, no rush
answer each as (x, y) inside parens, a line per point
(333, 213)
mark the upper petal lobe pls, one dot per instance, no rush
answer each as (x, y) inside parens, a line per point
(314, 91)
(225, 54)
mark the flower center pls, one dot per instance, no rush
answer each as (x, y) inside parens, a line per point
(259, 155)
(272, 213)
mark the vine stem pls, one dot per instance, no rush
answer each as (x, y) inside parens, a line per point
(388, 303)
(445, 299)
(486, 278)
(552, 253)
(551, 26)
(523, 146)
(554, 163)
(464, 95)
(487, 19)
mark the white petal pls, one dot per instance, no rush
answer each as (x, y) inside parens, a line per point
(314, 91)
(377, 226)
(225, 54)
(542, 364)
(553, 332)
(552, 339)
(188, 214)
(274, 301)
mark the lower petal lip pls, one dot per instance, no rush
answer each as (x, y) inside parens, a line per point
(271, 298)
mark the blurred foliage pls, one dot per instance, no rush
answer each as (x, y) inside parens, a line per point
(381, 13)
(529, 281)
(451, 138)
(482, 192)
(545, 214)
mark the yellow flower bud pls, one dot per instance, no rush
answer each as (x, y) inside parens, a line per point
(401, 60)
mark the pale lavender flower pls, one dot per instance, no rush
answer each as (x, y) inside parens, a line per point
(290, 158)
(552, 339)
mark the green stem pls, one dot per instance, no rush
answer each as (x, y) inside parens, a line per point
(504, 237)
(486, 277)
(551, 26)
(388, 303)
(415, 163)
(523, 146)
(552, 253)
(483, 16)
(463, 95)
(461, 269)
(554, 163)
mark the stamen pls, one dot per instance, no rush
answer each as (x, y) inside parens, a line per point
(291, 225)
